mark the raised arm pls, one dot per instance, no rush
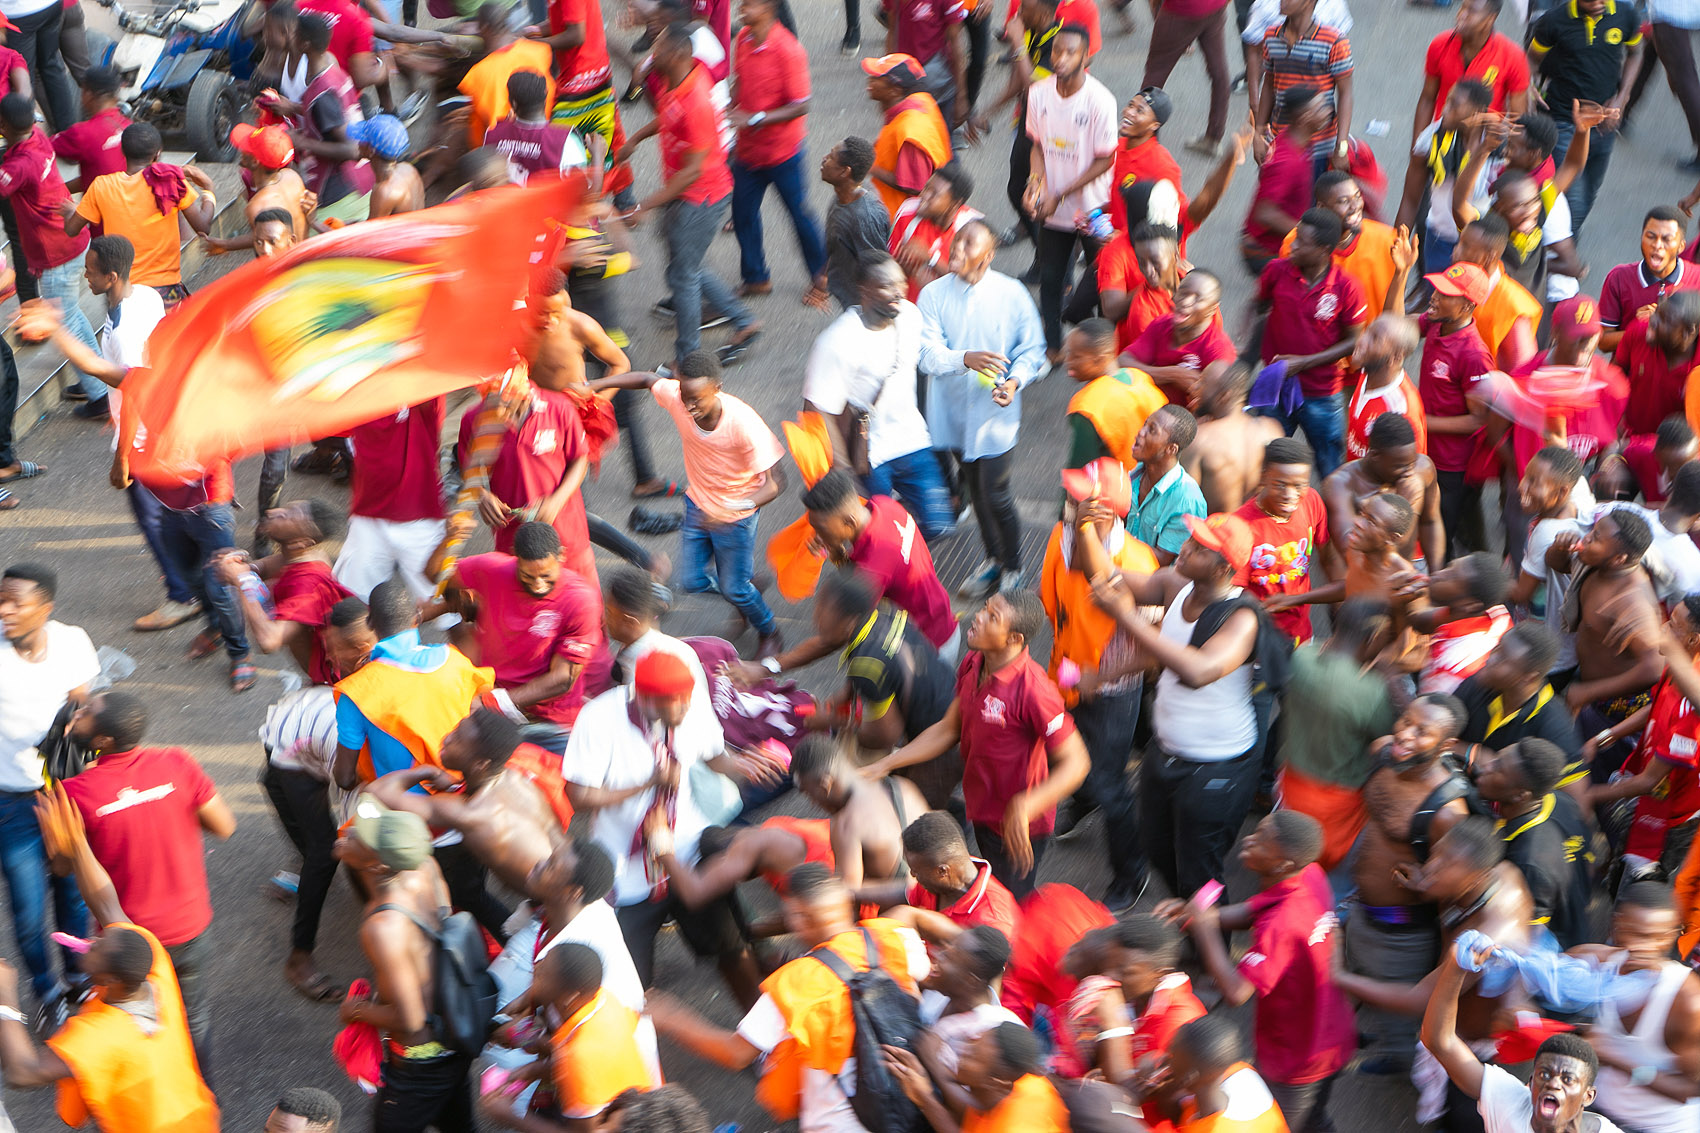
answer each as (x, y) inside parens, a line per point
(1440, 1029)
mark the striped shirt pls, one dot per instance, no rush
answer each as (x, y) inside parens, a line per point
(1321, 55)
(300, 731)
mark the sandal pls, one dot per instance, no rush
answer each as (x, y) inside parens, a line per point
(7, 500)
(646, 522)
(27, 470)
(668, 489)
(737, 348)
(243, 676)
(319, 989)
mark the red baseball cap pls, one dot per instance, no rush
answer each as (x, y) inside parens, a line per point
(1103, 479)
(886, 64)
(268, 145)
(7, 24)
(662, 674)
(1226, 534)
(1467, 281)
(1577, 318)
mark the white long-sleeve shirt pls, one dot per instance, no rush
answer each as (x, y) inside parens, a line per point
(997, 314)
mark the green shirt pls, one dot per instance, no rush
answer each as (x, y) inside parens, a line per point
(1333, 712)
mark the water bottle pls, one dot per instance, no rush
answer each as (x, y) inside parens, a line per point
(1098, 224)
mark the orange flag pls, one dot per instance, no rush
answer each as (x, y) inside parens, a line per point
(342, 329)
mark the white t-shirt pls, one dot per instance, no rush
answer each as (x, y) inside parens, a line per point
(123, 338)
(1673, 560)
(608, 751)
(825, 1106)
(1265, 14)
(597, 928)
(1541, 538)
(872, 370)
(1071, 134)
(31, 694)
(958, 1032)
(300, 731)
(1507, 1107)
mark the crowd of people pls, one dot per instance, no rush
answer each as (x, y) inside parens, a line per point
(1378, 613)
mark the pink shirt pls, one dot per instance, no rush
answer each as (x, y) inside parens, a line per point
(1304, 1028)
(728, 465)
(520, 635)
(895, 557)
(1071, 134)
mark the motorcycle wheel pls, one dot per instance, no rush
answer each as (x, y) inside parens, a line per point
(214, 106)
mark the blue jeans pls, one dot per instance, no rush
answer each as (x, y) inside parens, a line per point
(64, 284)
(23, 860)
(191, 538)
(146, 508)
(689, 230)
(1586, 187)
(918, 482)
(1324, 421)
(732, 546)
(749, 189)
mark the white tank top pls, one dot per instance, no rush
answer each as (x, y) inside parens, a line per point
(1640, 1107)
(1209, 724)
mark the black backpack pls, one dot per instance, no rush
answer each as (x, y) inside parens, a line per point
(463, 992)
(884, 1015)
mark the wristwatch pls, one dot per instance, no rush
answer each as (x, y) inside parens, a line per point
(757, 118)
(771, 664)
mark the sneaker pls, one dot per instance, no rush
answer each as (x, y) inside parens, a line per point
(851, 43)
(1208, 147)
(52, 1013)
(97, 410)
(664, 309)
(413, 106)
(981, 585)
(167, 615)
(1012, 581)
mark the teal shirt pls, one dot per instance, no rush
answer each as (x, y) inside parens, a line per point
(1159, 520)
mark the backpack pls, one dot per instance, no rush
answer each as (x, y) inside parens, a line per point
(463, 993)
(884, 1015)
(1271, 651)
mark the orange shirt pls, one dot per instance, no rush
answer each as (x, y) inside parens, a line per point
(1508, 302)
(595, 1057)
(1033, 1106)
(123, 205)
(486, 84)
(1117, 405)
(1082, 629)
(1250, 1107)
(816, 834)
(1369, 261)
(126, 1080)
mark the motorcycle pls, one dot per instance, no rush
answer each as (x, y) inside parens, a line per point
(184, 67)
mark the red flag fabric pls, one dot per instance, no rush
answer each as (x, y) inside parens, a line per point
(341, 329)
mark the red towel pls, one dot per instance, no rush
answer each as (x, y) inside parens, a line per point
(168, 184)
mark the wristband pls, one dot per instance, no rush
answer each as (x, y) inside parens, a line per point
(504, 704)
(1604, 738)
(14, 1015)
(757, 118)
(771, 664)
(1114, 1033)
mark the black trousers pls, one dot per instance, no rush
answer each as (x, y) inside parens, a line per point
(1192, 813)
(979, 50)
(27, 286)
(191, 960)
(1056, 250)
(8, 401)
(713, 931)
(987, 481)
(464, 875)
(1020, 167)
(1306, 1107)
(303, 806)
(1107, 724)
(990, 841)
(425, 1093)
(37, 40)
(1460, 515)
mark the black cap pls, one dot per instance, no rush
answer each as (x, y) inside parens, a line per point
(1162, 106)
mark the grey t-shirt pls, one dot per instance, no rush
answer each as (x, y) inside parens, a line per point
(851, 230)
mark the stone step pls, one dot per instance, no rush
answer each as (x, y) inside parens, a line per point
(43, 373)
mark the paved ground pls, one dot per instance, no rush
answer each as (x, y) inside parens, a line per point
(269, 1038)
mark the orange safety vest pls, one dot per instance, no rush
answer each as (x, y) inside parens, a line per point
(918, 121)
(1082, 630)
(1032, 1106)
(1118, 409)
(1508, 302)
(418, 717)
(816, 1007)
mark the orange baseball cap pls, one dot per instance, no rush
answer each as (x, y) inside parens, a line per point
(268, 145)
(1467, 281)
(1228, 535)
(886, 64)
(1103, 479)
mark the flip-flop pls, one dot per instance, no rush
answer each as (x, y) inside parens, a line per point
(668, 490)
(27, 470)
(243, 676)
(319, 989)
(7, 500)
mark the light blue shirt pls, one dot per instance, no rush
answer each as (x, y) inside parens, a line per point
(406, 652)
(996, 314)
(1159, 520)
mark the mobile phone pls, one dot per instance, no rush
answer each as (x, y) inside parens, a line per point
(1208, 894)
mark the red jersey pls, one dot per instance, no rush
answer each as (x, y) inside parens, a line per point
(1588, 429)
(908, 226)
(582, 69)
(924, 25)
(1629, 287)
(30, 183)
(1053, 917)
(1282, 554)
(1118, 270)
(894, 554)
(1304, 1027)
(93, 144)
(1156, 347)
(1649, 473)
(816, 834)
(531, 464)
(987, 902)
(1285, 179)
(771, 76)
(1500, 65)
(142, 811)
(1672, 736)
(1011, 721)
(1308, 318)
(534, 149)
(396, 475)
(519, 634)
(1367, 404)
(1657, 386)
(689, 123)
(304, 593)
(351, 28)
(1453, 365)
(1141, 161)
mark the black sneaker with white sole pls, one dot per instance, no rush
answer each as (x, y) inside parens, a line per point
(664, 309)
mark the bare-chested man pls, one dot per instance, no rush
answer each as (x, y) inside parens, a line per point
(1226, 458)
(391, 851)
(1475, 888)
(1615, 614)
(726, 857)
(1391, 463)
(397, 186)
(505, 822)
(866, 818)
(1411, 798)
(266, 154)
(1374, 566)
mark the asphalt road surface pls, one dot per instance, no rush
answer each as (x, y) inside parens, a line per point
(268, 1038)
